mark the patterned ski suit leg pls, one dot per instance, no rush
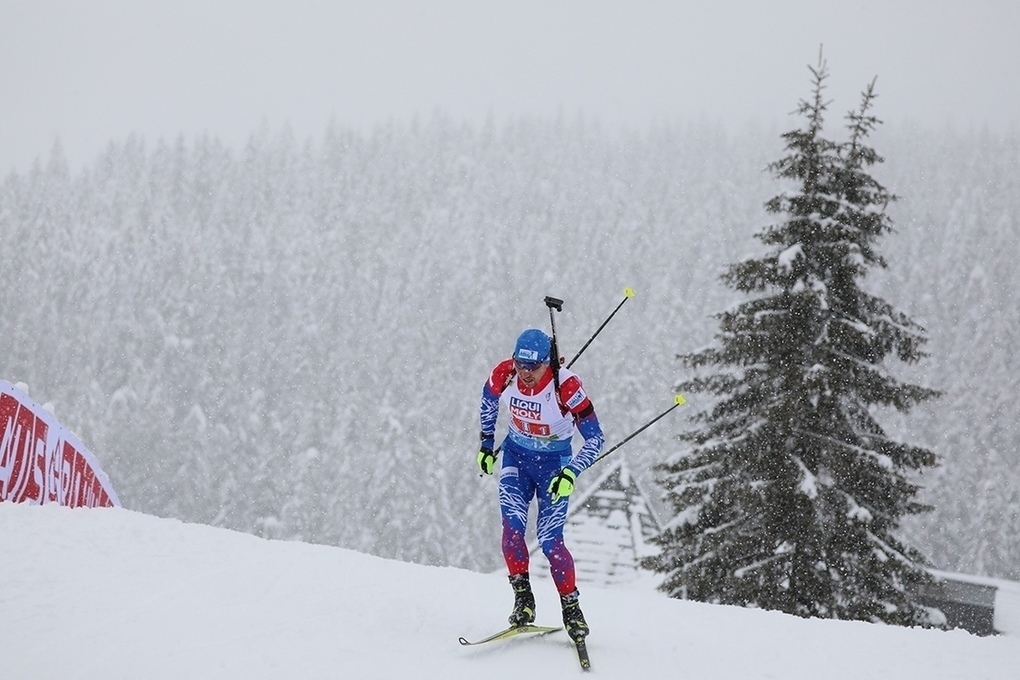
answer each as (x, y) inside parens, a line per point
(526, 474)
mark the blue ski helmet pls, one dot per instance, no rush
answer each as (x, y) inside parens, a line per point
(533, 347)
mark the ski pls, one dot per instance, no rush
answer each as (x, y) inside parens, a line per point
(512, 631)
(582, 654)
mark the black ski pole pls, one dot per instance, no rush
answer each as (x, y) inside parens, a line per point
(627, 294)
(678, 400)
(554, 353)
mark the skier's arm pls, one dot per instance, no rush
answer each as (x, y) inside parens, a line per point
(488, 410)
(587, 422)
(589, 428)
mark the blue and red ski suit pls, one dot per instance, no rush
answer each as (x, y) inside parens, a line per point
(536, 448)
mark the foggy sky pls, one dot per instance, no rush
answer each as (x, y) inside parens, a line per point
(90, 71)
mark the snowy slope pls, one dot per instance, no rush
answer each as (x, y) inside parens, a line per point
(116, 594)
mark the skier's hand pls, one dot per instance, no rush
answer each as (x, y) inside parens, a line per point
(486, 460)
(562, 485)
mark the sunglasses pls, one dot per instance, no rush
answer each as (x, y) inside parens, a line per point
(528, 365)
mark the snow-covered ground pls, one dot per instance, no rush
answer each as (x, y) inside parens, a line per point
(112, 593)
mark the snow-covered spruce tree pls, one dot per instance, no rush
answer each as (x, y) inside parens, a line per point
(790, 495)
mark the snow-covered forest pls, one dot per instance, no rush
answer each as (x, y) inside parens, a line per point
(290, 338)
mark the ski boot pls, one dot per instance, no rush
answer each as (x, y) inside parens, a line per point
(524, 601)
(573, 618)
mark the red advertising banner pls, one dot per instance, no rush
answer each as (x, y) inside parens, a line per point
(41, 462)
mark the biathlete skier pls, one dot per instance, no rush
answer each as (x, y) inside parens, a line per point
(538, 460)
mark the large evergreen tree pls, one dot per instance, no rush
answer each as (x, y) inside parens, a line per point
(791, 493)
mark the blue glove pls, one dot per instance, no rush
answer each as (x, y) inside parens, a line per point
(562, 485)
